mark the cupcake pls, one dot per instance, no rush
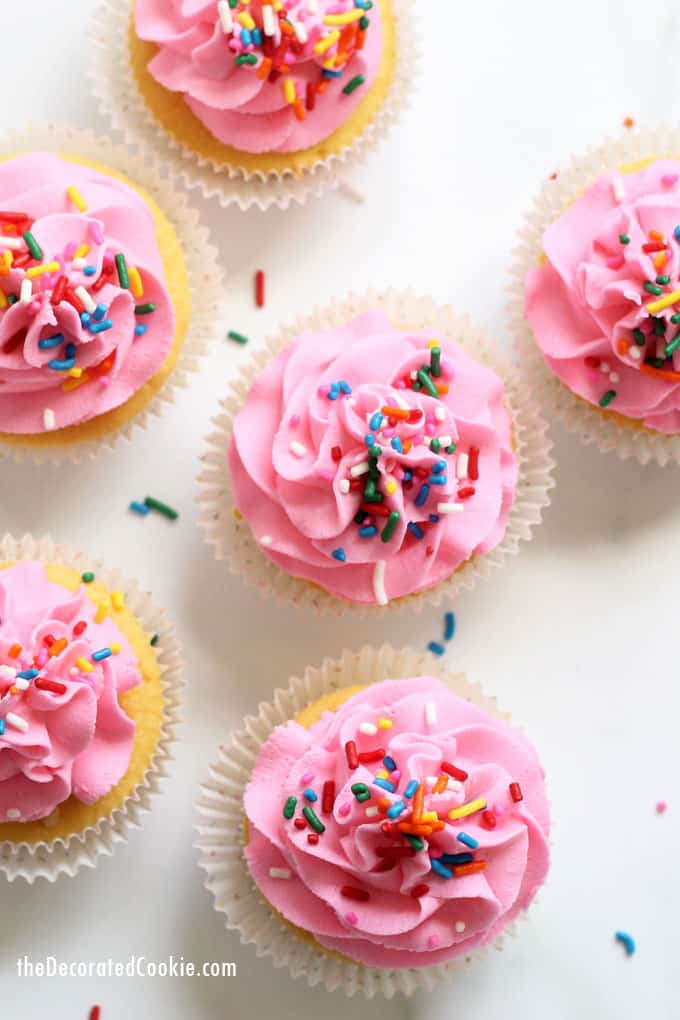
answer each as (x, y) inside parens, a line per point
(86, 715)
(95, 300)
(601, 278)
(392, 824)
(256, 93)
(374, 460)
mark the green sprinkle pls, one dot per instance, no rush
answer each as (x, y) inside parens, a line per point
(655, 362)
(364, 23)
(145, 309)
(659, 327)
(624, 239)
(245, 58)
(672, 347)
(233, 4)
(639, 337)
(663, 279)
(238, 337)
(87, 577)
(415, 841)
(375, 451)
(355, 82)
(416, 386)
(427, 383)
(313, 819)
(435, 446)
(606, 398)
(162, 508)
(12, 299)
(154, 640)
(675, 319)
(33, 246)
(121, 266)
(289, 807)
(451, 448)
(360, 516)
(436, 362)
(361, 792)
(652, 288)
(369, 488)
(388, 530)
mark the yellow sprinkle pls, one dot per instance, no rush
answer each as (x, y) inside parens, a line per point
(81, 251)
(325, 44)
(429, 816)
(664, 302)
(238, 515)
(75, 381)
(344, 19)
(384, 724)
(245, 19)
(3, 299)
(135, 282)
(391, 486)
(76, 198)
(467, 809)
(102, 610)
(83, 665)
(289, 90)
(46, 267)
(115, 648)
(433, 343)
(75, 372)
(118, 600)
(382, 774)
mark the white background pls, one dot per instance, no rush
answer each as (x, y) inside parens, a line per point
(578, 636)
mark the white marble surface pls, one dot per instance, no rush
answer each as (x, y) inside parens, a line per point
(578, 636)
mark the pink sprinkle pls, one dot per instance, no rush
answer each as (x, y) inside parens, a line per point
(430, 430)
(433, 941)
(345, 808)
(448, 371)
(41, 658)
(368, 522)
(419, 439)
(70, 250)
(616, 262)
(351, 918)
(326, 474)
(307, 778)
(388, 433)
(95, 232)
(108, 258)
(35, 307)
(104, 381)
(395, 776)
(661, 806)
(400, 385)
(668, 180)
(294, 421)
(398, 473)
(323, 391)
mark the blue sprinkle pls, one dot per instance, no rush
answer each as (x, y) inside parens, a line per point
(140, 330)
(369, 439)
(423, 493)
(257, 37)
(309, 795)
(396, 809)
(101, 327)
(376, 421)
(437, 480)
(334, 391)
(246, 37)
(455, 859)
(58, 365)
(389, 763)
(70, 351)
(339, 554)
(90, 270)
(368, 532)
(2, 727)
(436, 648)
(331, 74)
(621, 936)
(139, 508)
(385, 785)
(103, 653)
(99, 312)
(411, 788)
(439, 467)
(49, 342)
(85, 318)
(466, 840)
(676, 233)
(408, 475)
(449, 626)
(28, 674)
(344, 387)
(439, 868)
(397, 445)
(415, 529)
(434, 518)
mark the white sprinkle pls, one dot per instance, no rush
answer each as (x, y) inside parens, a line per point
(13, 243)
(430, 713)
(13, 814)
(445, 440)
(351, 401)
(379, 583)
(17, 722)
(86, 299)
(269, 22)
(462, 465)
(618, 190)
(300, 32)
(605, 367)
(347, 189)
(371, 812)
(280, 873)
(414, 375)
(439, 413)
(343, 485)
(614, 377)
(454, 785)
(266, 540)
(635, 353)
(49, 420)
(368, 728)
(297, 449)
(79, 263)
(21, 684)
(359, 469)
(313, 6)
(449, 508)
(26, 292)
(460, 927)
(226, 19)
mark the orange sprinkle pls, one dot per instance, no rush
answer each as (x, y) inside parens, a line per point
(415, 830)
(442, 389)
(622, 347)
(264, 68)
(299, 110)
(418, 802)
(661, 373)
(628, 122)
(14, 652)
(469, 869)
(654, 235)
(361, 38)
(384, 803)
(286, 27)
(660, 260)
(441, 784)
(396, 412)
(58, 647)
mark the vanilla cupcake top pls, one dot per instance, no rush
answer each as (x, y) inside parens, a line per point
(85, 316)
(402, 830)
(265, 77)
(604, 304)
(374, 461)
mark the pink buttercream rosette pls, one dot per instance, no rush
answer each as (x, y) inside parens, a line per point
(78, 742)
(500, 417)
(194, 59)
(580, 315)
(392, 942)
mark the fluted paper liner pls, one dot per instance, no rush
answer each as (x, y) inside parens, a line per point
(608, 431)
(221, 827)
(231, 535)
(120, 100)
(52, 858)
(204, 276)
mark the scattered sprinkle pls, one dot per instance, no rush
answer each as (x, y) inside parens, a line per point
(139, 508)
(161, 508)
(239, 338)
(661, 807)
(87, 577)
(259, 288)
(626, 940)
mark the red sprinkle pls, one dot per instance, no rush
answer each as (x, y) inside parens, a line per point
(395, 851)
(453, 771)
(49, 640)
(351, 752)
(368, 756)
(310, 95)
(516, 792)
(350, 892)
(300, 823)
(336, 453)
(592, 361)
(386, 865)
(79, 628)
(95, 1013)
(43, 684)
(13, 217)
(489, 819)
(419, 890)
(466, 492)
(259, 288)
(74, 300)
(376, 509)
(59, 288)
(328, 797)
(473, 463)
(387, 827)
(313, 838)
(652, 246)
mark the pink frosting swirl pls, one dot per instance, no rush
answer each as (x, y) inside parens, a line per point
(598, 307)
(63, 732)
(77, 317)
(369, 524)
(360, 886)
(277, 88)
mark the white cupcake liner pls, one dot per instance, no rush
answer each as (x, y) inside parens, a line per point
(221, 828)
(115, 89)
(607, 432)
(52, 858)
(204, 275)
(232, 537)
